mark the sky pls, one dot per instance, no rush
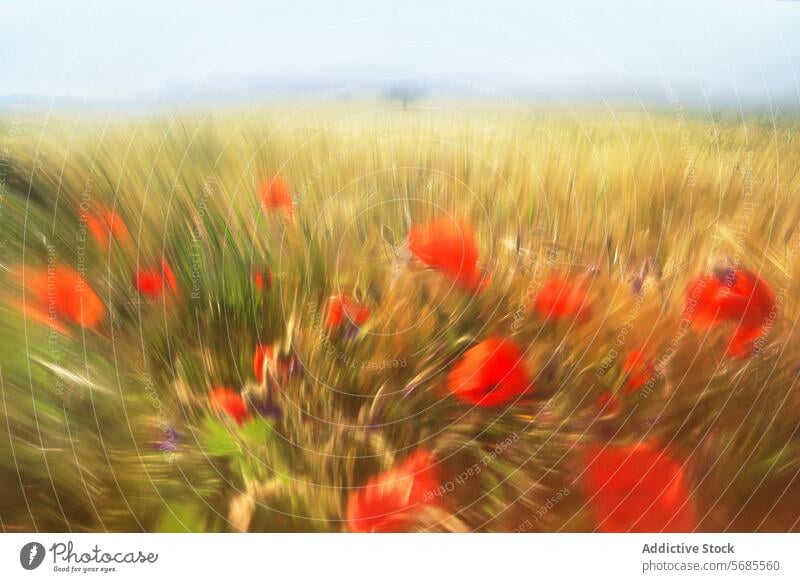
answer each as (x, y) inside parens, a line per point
(710, 51)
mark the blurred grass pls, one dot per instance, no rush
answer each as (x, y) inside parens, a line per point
(87, 414)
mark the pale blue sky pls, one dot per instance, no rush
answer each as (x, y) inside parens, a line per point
(725, 49)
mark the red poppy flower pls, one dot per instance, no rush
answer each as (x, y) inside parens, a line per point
(153, 282)
(61, 292)
(448, 246)
(490, 373)
(104, 225)
(276, 195)
(266, 354)
(639, 370)
(262, 353)
(391, 501)
(340, 308)
(231, 403)
(262, 279)
(734, 296)
(637, 488)
(562, 299)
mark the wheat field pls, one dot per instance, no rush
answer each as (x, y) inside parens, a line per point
(109, 426)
